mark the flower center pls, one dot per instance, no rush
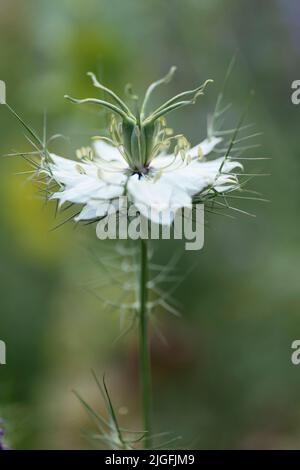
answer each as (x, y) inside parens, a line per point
(141, 171)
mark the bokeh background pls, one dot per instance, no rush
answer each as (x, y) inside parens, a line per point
(224, 379)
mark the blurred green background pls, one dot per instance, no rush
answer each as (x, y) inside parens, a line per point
(225, 379)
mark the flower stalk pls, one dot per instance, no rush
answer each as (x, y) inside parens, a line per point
(144, 353)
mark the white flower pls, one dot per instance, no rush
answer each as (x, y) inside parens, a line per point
(134, 162)
(168, 182)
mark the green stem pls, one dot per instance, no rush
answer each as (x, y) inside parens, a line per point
(145, 368)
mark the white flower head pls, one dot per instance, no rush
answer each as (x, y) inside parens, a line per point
(159, 172)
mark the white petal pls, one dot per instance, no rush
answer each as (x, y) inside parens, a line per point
(197, 176)
(81, 192)
(108, 191)
(224, 189)
(62, 163)
(162, 162)
(205, 147)
(225, 183)
(112, 176)
(190, 180)
(169, 162)
(157, 200)
(94, 209)
(67, 171)
(231, 165)
(84, 182)
(88, 212)
(108, 152)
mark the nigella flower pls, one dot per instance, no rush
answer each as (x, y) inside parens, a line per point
(136, 161)
(158, 173)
